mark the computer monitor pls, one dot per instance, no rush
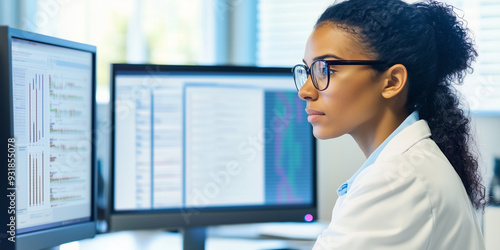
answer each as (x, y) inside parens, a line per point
(47, 109)
(206, 145)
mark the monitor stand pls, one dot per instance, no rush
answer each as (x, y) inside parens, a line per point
(193, 238)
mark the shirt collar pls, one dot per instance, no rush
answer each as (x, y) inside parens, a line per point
(412, 118)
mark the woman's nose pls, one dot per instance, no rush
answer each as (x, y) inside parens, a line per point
(308, 91)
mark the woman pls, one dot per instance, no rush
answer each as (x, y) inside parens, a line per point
(382, 71)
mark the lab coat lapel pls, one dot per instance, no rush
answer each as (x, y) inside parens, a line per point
(405, 139)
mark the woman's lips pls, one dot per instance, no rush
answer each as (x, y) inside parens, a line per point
(314, 115)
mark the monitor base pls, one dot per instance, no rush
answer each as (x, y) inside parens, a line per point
(193, 238)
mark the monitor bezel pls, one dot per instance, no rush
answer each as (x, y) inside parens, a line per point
(193, 217)
(55, 236)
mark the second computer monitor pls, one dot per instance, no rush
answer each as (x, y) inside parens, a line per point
(47, 94)
(207, 145)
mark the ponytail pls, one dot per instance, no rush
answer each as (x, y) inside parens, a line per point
(449, 125)
(432, 43)
(450, 129)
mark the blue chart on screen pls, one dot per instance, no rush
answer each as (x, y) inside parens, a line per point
(287, 135)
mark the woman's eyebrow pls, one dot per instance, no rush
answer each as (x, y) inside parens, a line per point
(327, 56)
(323, 57)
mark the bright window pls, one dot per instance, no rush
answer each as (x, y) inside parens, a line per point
(132, 31)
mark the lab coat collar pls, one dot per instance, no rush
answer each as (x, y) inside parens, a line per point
(405, 140)
(411, 119)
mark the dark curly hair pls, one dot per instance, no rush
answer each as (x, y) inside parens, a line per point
(433, 44)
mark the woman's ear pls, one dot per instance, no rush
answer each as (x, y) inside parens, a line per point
(396, 80)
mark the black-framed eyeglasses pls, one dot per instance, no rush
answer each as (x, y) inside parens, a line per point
(320, 71)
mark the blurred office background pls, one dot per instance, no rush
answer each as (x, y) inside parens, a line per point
(253, 32)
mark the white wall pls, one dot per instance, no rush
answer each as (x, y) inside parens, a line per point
(492, 228)
(487, 130)
(338, 159)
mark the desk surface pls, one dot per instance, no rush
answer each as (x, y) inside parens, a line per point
(241, 237)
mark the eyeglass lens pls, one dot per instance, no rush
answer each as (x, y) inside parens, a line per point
(300, 76)
(319, 75)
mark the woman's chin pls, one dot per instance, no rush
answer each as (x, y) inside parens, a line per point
(324, 135)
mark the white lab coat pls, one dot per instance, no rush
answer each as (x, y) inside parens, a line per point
(410, 198)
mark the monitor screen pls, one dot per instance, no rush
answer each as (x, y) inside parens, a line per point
(52, 94)
(209, 139)
(52, 99)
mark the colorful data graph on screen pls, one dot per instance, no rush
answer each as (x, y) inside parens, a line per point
(66, 112)
(288, 139)
(57, 115)
(37, 179)
(36, 109)
(67, 184)
(68, 181)
(69, 149)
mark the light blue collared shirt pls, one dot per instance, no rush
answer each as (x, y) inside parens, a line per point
(412, 118)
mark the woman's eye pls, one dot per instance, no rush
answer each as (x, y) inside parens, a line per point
(327, 71)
